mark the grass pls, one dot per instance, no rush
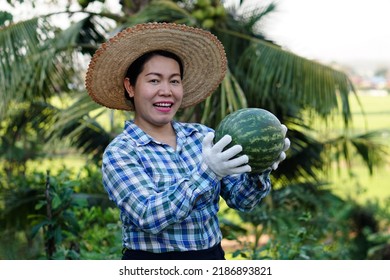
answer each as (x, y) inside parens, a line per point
(359, 184)
(375, 115)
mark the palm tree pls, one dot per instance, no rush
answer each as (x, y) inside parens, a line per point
(40, 63)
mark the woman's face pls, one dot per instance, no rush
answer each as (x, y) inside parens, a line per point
(158, 92)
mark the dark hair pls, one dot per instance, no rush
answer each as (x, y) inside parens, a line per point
(138, 65)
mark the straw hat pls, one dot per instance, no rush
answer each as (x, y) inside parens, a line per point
(202, 54)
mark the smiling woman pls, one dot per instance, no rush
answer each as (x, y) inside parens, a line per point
(165, 176)
(154, 72)
(154, 86)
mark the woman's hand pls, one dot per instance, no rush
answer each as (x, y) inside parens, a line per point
(221, 162)
(282, 155)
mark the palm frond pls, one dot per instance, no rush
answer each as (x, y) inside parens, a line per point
(228, 98)
(85, 35)
(272, 75)
(31, 67)
(24, 132)
(251, 17)
(41, 61)
(15, 41)
(305, 156)
(162, 11)
(83, 130)
(371, 147)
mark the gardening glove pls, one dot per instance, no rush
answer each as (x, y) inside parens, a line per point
(282, 155)
(221, 162)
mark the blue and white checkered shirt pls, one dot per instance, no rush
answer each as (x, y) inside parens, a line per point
(169, 198)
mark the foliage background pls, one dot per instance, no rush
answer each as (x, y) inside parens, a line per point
(52, 203)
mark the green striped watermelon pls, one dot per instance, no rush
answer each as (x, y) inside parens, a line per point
(258, 131)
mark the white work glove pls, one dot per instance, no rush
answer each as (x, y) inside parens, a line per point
(223, 163)
(282, 155)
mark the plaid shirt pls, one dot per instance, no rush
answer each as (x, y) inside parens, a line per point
(169, 198)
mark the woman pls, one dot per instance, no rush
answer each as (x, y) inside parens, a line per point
(166, 177)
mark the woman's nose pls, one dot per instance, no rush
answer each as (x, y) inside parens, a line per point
(165, 89)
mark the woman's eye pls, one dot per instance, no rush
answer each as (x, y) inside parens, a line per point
(176, 82)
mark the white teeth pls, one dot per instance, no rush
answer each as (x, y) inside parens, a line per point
(163, 104)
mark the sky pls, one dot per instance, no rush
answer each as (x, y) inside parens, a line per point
(350, 32)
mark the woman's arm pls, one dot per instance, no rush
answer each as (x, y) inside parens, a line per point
(243, 192)
(137, 195)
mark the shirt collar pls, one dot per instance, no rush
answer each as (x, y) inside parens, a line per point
(137, 134)
(141, 138)
(182, 130)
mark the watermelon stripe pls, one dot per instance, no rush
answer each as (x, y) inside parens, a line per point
(258, 131)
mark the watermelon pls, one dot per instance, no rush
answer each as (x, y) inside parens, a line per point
(258, 131)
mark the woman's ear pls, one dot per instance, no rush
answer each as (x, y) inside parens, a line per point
(128, 87)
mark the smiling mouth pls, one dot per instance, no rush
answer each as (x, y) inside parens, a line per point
(163, 105)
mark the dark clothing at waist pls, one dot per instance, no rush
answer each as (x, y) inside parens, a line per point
(213, 253)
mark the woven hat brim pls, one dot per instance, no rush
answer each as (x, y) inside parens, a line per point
(201, 52)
